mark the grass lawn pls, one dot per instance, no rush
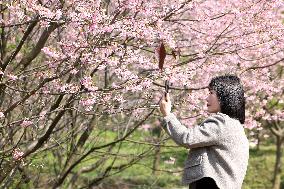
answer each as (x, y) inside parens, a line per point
(140, 175)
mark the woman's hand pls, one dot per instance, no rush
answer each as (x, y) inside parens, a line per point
(165, 105)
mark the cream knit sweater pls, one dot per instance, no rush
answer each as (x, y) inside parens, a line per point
(218, 149)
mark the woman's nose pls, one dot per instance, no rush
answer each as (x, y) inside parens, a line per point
(207, 99)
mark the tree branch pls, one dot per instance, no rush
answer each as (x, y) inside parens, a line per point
(62, 178)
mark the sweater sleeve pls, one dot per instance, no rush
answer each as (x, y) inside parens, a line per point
(206, 134)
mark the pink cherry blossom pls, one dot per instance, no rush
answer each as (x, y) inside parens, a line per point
(88, 83)
(50, 52)
(42, 114)
(17, 154)
(145, 127)
(12, 77)
(26, 123)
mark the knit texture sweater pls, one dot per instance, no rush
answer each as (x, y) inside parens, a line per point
(218, 149)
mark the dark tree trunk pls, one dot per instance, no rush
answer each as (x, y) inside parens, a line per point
(277, 167)
(156, 132)
(157, 158)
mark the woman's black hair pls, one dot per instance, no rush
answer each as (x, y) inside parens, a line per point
(230, 93)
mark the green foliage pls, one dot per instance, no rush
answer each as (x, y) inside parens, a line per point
(260, 169)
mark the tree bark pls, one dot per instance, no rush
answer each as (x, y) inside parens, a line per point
(157, 159)
(156, 132)
(277, 168)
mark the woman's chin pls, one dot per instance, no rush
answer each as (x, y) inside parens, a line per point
(211, 111)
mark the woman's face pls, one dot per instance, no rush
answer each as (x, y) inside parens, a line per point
(213, 105)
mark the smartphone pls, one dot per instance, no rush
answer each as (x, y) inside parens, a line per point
(166, 87)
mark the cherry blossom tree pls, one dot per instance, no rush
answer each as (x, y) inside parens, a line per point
(72, 70)
(271, 118)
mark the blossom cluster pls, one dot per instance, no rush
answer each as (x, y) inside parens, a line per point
(17, 154)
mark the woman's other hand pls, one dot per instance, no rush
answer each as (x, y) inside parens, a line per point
(165, 105)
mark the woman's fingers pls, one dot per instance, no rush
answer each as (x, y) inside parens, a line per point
(167, 97)
(165, 104)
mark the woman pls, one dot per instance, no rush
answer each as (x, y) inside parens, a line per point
(219, 149)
